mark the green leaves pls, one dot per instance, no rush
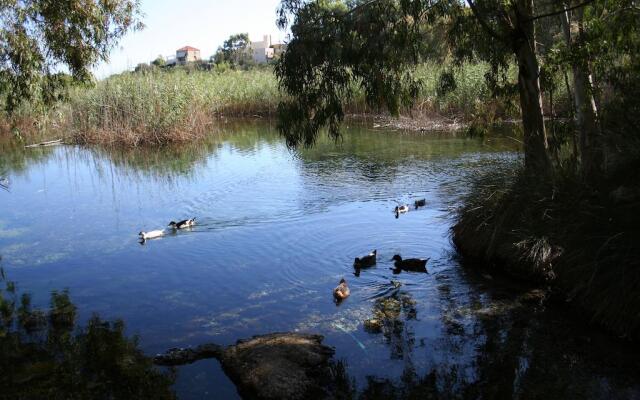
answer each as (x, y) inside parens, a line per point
(337, 46)
(235, 52)
(39, 37)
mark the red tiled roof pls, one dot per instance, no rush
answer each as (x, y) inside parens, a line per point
(188, 48)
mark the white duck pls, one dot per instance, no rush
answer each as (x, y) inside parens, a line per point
(151, 234)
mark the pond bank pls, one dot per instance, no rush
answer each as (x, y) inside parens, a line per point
(201, 124)
(580, 242)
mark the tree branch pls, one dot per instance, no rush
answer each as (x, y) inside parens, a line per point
(361, 6)
(554, 13)
(484, 23)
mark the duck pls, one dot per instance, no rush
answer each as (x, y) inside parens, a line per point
(151, 234)
(341, 291)
(410, 264)
(420, 203)
(187, 223)
(366, 261)
(401, 210)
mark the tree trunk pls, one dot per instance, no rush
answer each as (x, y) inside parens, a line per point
(574, 142)
(586, 110)
(536, 146)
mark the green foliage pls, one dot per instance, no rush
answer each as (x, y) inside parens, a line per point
(176, 104)
(44, 355)
(166, 106)
(336, 45)
(159, 62)
(144, 68)
(40, 36)
(235, 51)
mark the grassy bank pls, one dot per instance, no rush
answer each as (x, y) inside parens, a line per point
(581, 240)
(161, 107)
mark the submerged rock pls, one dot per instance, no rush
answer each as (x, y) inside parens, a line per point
(180, 356)
(274, 366)
(373, 325)
(388, 313)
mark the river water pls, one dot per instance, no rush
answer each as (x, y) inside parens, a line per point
(277, 229)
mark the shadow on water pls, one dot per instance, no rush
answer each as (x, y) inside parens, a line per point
(45, 354)
(521, 346)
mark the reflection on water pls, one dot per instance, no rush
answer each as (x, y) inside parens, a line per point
(277, 229)
(45, 355)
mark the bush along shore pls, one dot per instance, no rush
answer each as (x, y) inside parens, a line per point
(157, 107)
(580, 240)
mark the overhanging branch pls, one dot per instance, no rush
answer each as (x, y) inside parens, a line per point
(484, 23)
(564, 10)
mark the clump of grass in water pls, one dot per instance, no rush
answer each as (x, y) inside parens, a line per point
(580, 239)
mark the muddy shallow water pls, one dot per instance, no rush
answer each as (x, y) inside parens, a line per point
(277, 229)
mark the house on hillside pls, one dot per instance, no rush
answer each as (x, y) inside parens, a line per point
(186, 55)
(265, 50)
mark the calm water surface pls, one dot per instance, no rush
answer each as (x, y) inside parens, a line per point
(276, 232)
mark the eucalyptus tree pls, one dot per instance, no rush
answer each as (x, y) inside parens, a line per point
(602, 43)
(41, 38)
(375, 44)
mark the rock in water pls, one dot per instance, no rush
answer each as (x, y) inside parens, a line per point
(274, 366)
(279, 366)
(175, 357)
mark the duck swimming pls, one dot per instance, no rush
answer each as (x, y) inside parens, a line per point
(366, 261)
(410, 264)
(401, 210)
(420, 203)
(341, 291)
(151, 234)
(187, 223)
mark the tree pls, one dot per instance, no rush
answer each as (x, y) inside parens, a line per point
(159, 62)
(39, 37)
(236, 51)
(602, 37)
(144, 68)
(377, 43)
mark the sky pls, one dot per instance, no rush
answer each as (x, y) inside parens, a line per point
(203, 24)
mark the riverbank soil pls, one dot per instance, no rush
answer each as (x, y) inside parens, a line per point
(579, 240)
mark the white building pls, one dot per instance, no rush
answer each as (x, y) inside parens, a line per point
(263, 51)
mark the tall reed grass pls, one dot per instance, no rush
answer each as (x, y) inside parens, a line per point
(160, 106)
(163, 107)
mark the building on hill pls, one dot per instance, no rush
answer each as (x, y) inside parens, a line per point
(186, 55)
